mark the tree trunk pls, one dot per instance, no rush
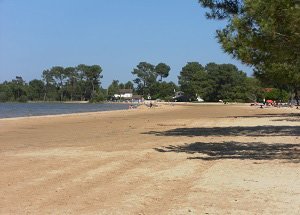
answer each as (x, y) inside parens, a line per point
(61, 96)
(296, 96)
(144, 84)
(93, 86)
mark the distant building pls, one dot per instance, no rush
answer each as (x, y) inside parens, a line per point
(181, 97)
(178, 94)
(137, 98)
(124, 94)
(199, 99)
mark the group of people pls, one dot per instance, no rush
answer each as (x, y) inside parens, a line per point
(134, 106)
(271, 103)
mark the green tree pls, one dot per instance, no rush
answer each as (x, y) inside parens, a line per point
(19, 89)
(121, 86)
(146, 77)
(93, 75)
(227, 83)
(6, 93)
(162, 70)
(72, 76)
(36, 90)
(50, 90)
(254, 90)
(164, 90)
(60, 77)
(192, 79)
(277, 95)
(113, 88)
(98, 96)
(129, 85)
(89, 79)
(263, 34)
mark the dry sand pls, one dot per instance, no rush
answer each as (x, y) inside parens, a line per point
(193, 159)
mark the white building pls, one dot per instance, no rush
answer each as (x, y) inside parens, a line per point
(124, 94)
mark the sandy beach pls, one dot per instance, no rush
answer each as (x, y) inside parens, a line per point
(182, 159)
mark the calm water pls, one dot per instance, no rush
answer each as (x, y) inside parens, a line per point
(8, 110)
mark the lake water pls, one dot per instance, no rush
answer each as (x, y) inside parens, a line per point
(9, 110)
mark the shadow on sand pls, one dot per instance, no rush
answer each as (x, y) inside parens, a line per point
(289, 117)
(253, 131)
(238, 150)
(287, 120)
(269, 115)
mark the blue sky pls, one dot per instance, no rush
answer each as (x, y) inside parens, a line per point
(116, 34)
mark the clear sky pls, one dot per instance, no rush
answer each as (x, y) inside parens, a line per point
(116, 34)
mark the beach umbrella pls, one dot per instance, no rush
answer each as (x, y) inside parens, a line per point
(269, 101)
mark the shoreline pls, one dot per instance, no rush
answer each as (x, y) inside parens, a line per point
(98, 112)
(139, 109)
(62, 115)
(143, 106)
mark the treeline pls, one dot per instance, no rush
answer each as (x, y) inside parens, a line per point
(57, 84)
(212, 82)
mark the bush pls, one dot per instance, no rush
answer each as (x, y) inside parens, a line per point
(22, 99)
(3, 97)
(97, 97)
(277, 95)
(168, 98)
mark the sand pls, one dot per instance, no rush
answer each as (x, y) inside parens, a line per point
(182, 159)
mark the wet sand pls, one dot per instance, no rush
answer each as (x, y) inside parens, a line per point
(190, 159)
